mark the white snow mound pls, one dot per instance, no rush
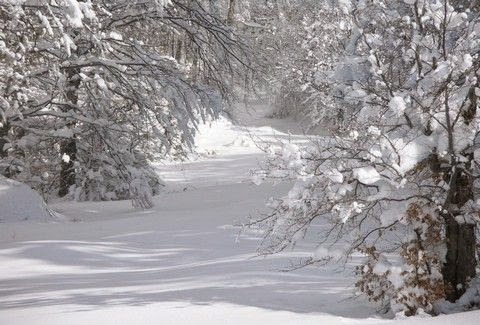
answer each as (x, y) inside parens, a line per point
(18, 202)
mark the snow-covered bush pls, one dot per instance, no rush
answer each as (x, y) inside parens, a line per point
(398, 183)
(92, 92)
(18, 202)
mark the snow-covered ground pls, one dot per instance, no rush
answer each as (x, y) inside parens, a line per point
(182, 262)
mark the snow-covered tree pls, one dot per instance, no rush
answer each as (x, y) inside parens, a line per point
(310, 41)
(297, 44)
(399, 183)
(92, 94)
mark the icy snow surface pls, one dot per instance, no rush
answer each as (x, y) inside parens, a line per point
(182, 262)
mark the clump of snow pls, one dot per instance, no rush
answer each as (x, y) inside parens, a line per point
(18, 202)
(116, 36)
(101, 82)
(69, 44)
(374, 130)
(334, 175)
(344, 212)
(397, 105)
(467, 62)
(411, 153)
(66, 158)
(45, 23)
(74, 13)
(366, 175)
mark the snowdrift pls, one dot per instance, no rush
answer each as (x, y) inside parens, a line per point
(18, 202)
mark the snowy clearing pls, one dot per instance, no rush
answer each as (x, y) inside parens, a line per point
(182, 262)
(239, 161)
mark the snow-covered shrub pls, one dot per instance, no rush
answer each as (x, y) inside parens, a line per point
(417, 281)
(92, 93)
(18, 202)
(398, 183)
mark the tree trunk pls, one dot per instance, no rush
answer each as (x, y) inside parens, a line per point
(67, 173)
(179, 50)
(460, 261)
(4, 128)
(68, 147)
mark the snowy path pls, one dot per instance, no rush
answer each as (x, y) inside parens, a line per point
(181, 263)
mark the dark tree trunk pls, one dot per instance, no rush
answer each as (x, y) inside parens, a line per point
(179, 50)
(3, 141)
(67, 173)
(69, 146)
(4, 129)
(460, 262)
